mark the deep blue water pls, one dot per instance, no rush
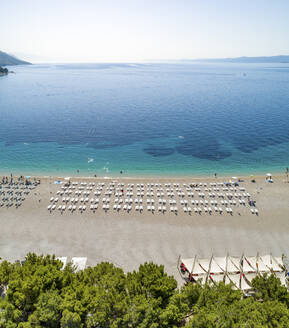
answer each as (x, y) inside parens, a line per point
(147, 119)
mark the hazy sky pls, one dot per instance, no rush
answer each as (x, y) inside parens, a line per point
(135, 30)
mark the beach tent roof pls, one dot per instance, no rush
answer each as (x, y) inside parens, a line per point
(278, 260)
(269, 261)
(244, 285)
(197, 269)
(63, 259)
(249, 263)
(204, 264)
(277, 263)
(188, 263)
(266, 259)
(250, 276)
(233, 264)
(228, 269)
(261, 265)
(218, 265)
(79, 263)
(233, 278)
(217, 277)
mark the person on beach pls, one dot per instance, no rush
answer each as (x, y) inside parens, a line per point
(215, 175)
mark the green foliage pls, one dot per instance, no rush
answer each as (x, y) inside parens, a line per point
(39, 294)
(3, 70)
(270, 288)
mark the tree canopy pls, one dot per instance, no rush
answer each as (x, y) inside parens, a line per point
(3, 70)
(38, 293)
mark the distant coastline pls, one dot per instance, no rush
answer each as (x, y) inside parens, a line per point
(9, 60)
(263, 59)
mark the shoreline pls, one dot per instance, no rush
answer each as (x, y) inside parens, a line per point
(258, 176)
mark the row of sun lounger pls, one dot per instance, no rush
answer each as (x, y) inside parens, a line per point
(158, 194)
(14, 192)
(148, 201)
(152, 208)
(11, 198)
(130, 198)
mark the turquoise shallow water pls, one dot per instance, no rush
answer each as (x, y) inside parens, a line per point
(145, 119)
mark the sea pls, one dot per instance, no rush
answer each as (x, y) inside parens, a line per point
(145, 119)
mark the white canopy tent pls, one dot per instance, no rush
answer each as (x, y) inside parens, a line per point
(243, 284)
(266, 259)
(261, 266)
(273, 264)
(250, 276)
(201, 266)
(233, 278)
(277, 263)
(249, 264)
(217, 277)
(233, 264)
(189, 263)
(218, 265)
(204, 264)
(237, 270)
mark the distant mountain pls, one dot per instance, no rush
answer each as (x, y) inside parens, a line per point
(6, 59)
(271, 59)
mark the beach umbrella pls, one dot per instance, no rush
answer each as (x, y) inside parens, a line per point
(234, 178)
(28, 177)
(67, 178)
(269, 174)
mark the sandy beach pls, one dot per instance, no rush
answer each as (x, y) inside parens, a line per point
(129, 239)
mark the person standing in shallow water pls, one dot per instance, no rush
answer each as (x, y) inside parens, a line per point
(215, 174)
